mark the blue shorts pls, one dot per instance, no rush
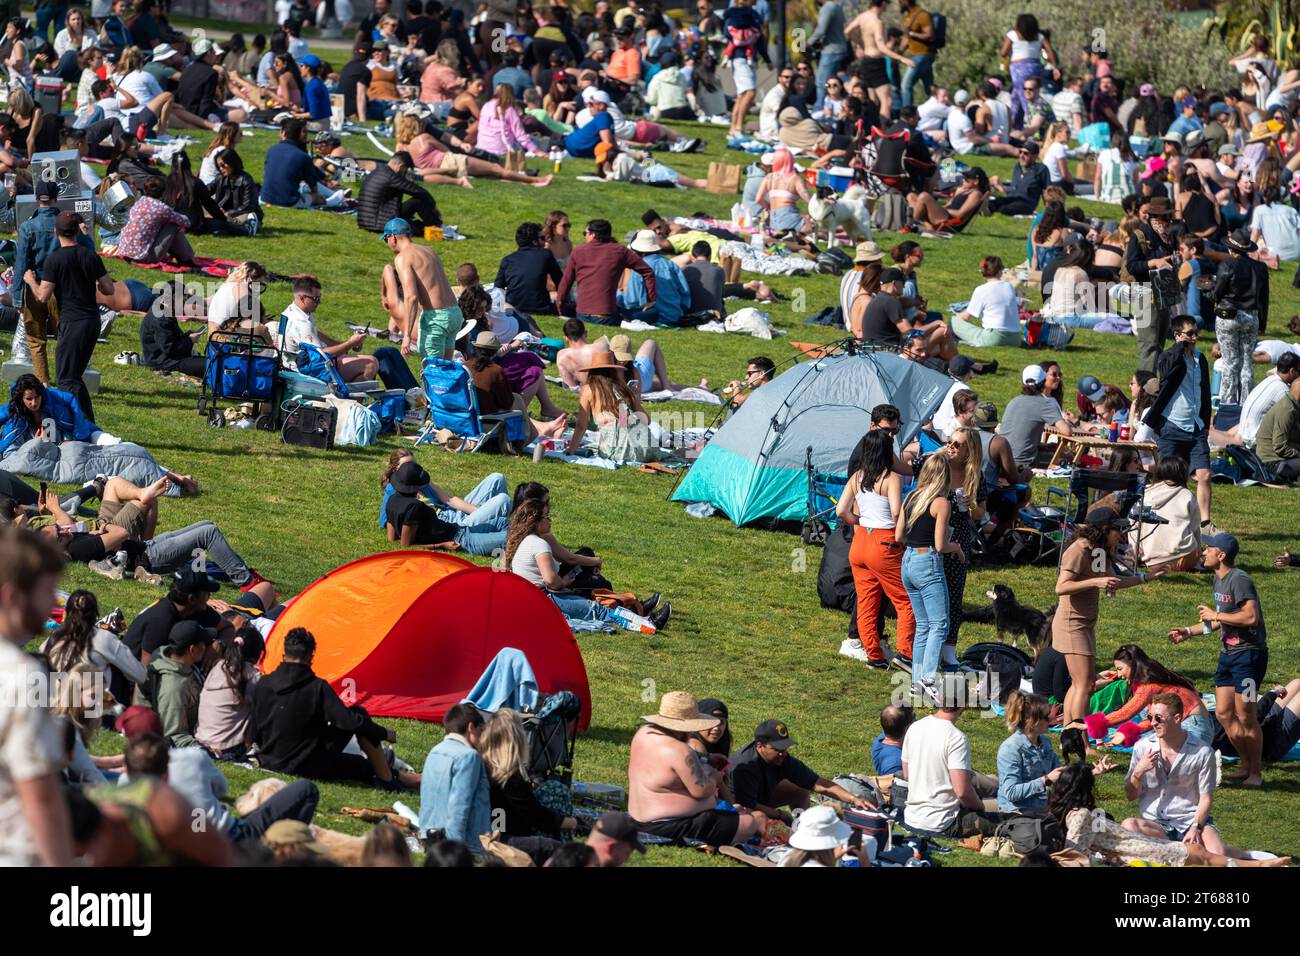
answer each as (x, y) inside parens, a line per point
(1242, 670)
(1176, 835)
(645, 370)
(1191, 447)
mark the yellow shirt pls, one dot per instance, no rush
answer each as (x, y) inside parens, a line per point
(917, 20)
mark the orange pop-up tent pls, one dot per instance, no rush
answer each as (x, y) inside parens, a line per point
(407, 633)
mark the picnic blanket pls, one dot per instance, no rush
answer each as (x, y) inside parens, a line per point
(764, 263)
(78, 462)
(208, 266)
(689, 394)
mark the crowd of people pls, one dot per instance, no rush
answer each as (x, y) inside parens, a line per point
(1200, 176)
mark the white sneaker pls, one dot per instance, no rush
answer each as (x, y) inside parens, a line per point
(853, 648)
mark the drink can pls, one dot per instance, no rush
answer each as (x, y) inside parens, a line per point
(1114, 431)
(121, 559)
(1125, 432)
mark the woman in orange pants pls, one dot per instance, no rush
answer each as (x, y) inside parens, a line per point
(871, 502)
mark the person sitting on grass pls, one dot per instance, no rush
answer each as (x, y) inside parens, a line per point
(236, 192)
(302, 728)
(1147, 678)
(438, 161)
(164, 345)
(646, 366)
(887, 748)
(455, 797)
(1090, 830)
(616, 410)
(172, 682)
(1027, 764)
(475, 524)
(530, 555)
(619, 165)
(758, 372)
(298, 327)
(492, 388)
(960, 208)
(528, 824)
(225, 720)
(1278, 713)
(764, 777)
(155, 232)
(289, 178)
(672, 790)
(1243, 660)
(577, 354)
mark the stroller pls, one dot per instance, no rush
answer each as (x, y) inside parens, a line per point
(241, 367)
(824, 492)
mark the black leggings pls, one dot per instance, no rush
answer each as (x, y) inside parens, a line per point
(955, 570)
(195, 365)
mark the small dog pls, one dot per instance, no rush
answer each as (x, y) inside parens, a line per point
(1073, 744)
(852, 211)
(1009, 616)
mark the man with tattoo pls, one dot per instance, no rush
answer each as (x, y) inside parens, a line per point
(672, 789)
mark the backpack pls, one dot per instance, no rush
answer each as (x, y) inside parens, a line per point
(1249, 466)
(862, 787)
(834, 261)
(357, 425)
(1028, 833)
(940, 24)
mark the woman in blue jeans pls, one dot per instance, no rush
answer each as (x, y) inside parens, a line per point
(481, 517)
(923, 525)
(528, 554)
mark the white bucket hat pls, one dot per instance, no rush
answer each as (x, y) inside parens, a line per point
(820, 828)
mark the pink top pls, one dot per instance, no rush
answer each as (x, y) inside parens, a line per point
(148, 215)
(498, 135)
(439, 83)
(430, 159)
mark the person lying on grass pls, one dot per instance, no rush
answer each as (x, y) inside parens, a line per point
(618, 165)
(478, 520)
(37, 411)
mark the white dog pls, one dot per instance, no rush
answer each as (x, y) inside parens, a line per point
(852, 211)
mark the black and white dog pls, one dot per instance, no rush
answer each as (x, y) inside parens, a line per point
(1009, 616)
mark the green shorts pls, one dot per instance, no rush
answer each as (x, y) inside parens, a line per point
(438, 328)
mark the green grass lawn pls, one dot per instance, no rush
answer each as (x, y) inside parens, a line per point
(747, 626)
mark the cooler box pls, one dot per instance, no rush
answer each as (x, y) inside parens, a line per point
(48, 94)
(838, 178)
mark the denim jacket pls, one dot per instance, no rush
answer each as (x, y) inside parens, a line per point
(1022, 764)
(36, 240)
(454, 792)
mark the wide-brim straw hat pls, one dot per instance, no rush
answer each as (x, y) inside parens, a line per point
(679, 710)
(603, 360)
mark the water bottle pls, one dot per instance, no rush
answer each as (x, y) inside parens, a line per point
(539, 451)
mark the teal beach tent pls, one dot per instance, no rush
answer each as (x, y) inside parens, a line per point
(755, 466)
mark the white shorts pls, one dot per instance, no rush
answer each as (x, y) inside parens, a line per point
(742, 72)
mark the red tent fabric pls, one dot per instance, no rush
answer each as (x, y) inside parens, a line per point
(407, 633)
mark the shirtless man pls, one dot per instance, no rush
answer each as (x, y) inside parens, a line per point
(672, 790)
(423, 303)
(577, 352)
(871, 30)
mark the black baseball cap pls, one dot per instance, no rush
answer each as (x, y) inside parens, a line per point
(46, 190)
(713, 707)
(1099, 517)
(190, 581)
(774, 733)
(185, 634)
(621, 827)
(892, 275)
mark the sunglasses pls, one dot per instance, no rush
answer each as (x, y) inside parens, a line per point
(1157, 719)
(891, 431)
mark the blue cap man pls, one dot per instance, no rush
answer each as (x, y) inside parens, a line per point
(397, 226)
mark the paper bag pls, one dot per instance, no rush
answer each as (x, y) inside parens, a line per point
(724, 178)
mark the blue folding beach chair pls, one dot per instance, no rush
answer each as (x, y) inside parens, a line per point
(454, 406)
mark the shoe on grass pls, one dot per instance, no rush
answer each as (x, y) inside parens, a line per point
(660, 617)
(108, 568)
(851, 647)
(902, 662)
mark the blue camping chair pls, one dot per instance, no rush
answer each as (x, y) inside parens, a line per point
(317, 376)
(454, 406)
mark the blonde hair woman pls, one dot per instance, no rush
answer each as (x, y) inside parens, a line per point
(923, 525)
(504, 748)
(237, 304)
(435, 162)
(441, 79)
(965, 454)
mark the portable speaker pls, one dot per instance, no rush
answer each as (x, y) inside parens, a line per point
(311, 426)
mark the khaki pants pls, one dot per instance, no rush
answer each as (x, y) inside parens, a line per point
(39, 319)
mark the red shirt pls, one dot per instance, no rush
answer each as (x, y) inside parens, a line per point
(598, 267)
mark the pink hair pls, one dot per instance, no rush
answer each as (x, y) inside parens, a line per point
(782, 162)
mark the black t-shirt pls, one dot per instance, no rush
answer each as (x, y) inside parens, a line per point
(523, 275)
(196, 90)
(152, 627)
(752, 778)
(75, 272)
(353, 72)
(84, 547)
(429, 528)
(880, 323)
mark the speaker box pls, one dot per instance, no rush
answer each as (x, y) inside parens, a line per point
(62, 167)
(81, 202)
(311, 426)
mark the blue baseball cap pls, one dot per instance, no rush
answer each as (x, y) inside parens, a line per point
(1225, 543)
(1219, 109)
(397, 226)
(311, 59)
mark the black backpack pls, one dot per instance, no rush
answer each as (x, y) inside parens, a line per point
(1250, 466)
(1028, 833)
(940, 23)
(834, 261)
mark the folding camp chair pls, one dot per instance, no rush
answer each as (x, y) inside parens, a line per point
(824, 492)
(453, 405)
(1087, 485)
(316, 376)
(552, 735)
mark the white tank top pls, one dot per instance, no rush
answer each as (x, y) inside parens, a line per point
(874, 510)
(1025, 49)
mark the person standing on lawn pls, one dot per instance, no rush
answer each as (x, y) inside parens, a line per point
(422, 302)
(1244, 658)
(1180, 414)
(76, 273)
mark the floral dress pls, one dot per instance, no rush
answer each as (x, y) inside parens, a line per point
(1092, 831)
